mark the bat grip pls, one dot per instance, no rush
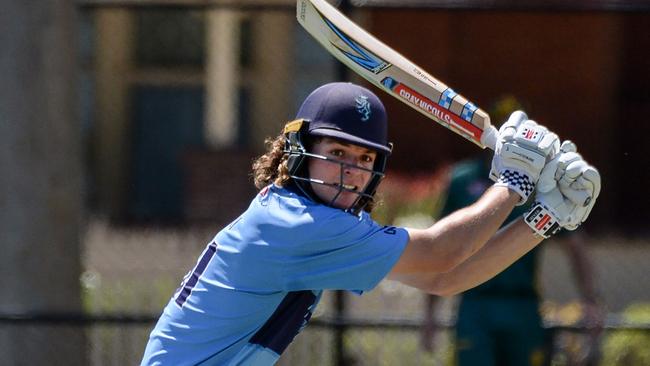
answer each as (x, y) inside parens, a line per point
(489, 137)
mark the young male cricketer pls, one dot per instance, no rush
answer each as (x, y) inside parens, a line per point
(259, 280)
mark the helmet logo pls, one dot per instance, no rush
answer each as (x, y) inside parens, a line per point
(363, 107)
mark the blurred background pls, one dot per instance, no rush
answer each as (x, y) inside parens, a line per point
(128, 127)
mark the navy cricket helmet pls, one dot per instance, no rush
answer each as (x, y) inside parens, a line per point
(346, 112)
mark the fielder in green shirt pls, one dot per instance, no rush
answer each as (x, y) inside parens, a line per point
(499, 323)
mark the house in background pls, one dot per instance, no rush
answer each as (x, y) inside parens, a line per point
(183, 99)
(183, 96)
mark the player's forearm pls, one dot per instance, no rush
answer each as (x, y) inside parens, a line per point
(465, 231)
(455, 238)
(508, 245)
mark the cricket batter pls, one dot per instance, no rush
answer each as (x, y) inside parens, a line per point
(257, 283)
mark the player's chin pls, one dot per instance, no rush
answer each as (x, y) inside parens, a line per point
(345, 200)
(342, 199)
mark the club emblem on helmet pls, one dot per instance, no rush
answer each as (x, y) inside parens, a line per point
(363, 107)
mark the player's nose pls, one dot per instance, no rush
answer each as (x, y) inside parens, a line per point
(350, 169)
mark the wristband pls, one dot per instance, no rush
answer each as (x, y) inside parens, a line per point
(541, 220)
(517, 182)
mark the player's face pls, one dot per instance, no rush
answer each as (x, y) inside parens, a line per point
(354, 179)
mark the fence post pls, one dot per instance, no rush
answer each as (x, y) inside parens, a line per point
(40, 176)
(342, 73)
(339, 329)
(340, 354)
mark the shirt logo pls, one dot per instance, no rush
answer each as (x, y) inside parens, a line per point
(363, 107)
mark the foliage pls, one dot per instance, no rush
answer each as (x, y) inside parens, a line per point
(410, 196)
(396, 347)
(629, 347)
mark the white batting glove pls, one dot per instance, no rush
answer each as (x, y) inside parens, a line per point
(567, 192)
(523, 147)
(579, 182)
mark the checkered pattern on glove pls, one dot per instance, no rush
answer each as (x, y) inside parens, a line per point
(516, 181)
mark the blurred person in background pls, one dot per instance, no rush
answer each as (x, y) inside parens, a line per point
(498, 322)
(257, 283)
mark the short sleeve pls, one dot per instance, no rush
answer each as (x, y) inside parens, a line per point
(343, 252)
(284, 242)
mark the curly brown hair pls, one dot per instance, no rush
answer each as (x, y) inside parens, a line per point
(272, 166)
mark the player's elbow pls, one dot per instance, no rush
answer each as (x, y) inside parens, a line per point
(443, 261)
(447, 256)
(449, 292)
(452, 258)
(441, 286)
(439, 263)
(448, 264)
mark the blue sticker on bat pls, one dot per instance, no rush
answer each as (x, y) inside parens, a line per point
(468, 111)
(363, 57)
(390, 83)
(446, 98)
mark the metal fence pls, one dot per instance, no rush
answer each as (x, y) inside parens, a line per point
(125, 288)
(120, 340)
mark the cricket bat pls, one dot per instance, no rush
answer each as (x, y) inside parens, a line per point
(394, 73)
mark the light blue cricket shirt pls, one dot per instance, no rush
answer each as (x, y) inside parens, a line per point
(257, 283)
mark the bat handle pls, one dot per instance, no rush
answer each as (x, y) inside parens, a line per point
(489, 137)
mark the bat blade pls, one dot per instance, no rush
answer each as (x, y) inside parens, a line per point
(394, 73)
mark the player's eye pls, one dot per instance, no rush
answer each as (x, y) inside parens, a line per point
(367, 158)
(337, 153)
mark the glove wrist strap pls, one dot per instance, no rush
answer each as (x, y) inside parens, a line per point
(541, 220)
(518, 182)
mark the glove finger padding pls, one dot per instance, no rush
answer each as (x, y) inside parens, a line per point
(568, 146)
(510, 127)
(592, 176)
(550, 173)
(547, 180)
(572, 170)
(564, 160)
(550, 144)
(507, 132)
(568, 203)
(578, 192)
(589, 181)
(546, 142)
